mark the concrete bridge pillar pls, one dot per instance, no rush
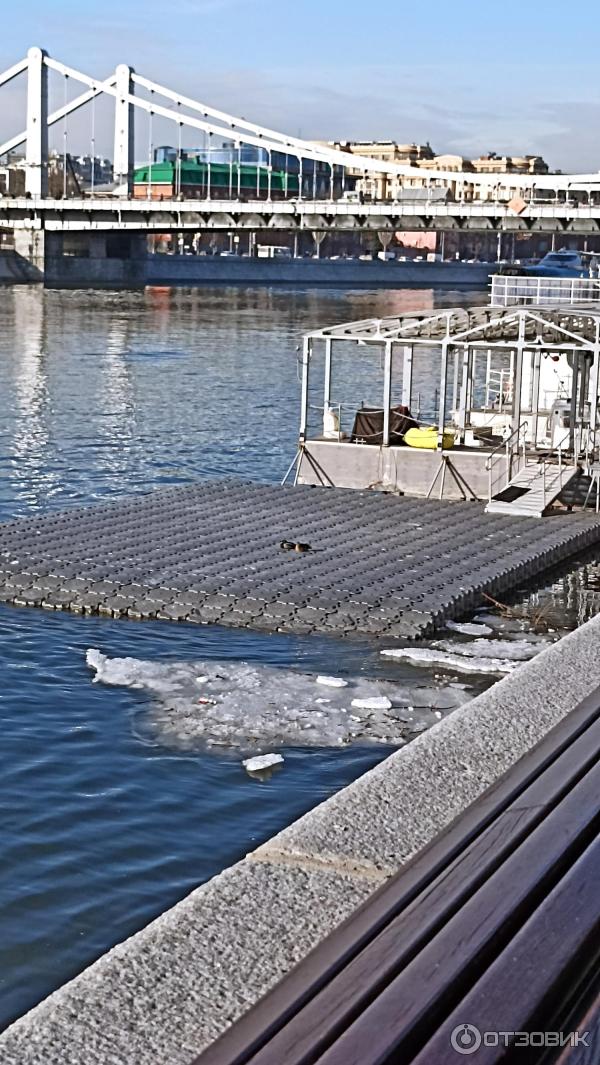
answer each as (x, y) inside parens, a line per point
(123, 158)
(30, 248)
(36, 151)
(97, 245)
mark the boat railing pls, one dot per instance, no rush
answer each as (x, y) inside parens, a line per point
(513, 451)
(498, 389)
(548, 461)
(592, 449)
(508, 291)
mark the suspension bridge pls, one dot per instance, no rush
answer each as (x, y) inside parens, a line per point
(512, 203)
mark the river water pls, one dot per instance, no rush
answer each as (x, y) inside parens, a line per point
(107, 394)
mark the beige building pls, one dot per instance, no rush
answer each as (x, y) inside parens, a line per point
(393, 187)
(381, 186)
(506, 164)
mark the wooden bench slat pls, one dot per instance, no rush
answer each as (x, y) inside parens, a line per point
(533, 983)
(434, 981)
(584, 1019)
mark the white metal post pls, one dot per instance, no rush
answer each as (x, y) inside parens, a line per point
(387, 392)
(407, 375)
(535, 395)
(593, 395)
(443, 388)
(464, 392)
(518, 378)
(327, 387)
(123, 158)
(455, 384)
(306, 352)
(36, 151)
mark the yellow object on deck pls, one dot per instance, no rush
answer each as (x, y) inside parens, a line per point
(428, 438)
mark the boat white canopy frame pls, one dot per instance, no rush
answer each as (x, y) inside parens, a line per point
(463, 333)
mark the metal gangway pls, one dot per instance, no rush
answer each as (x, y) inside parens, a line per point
(524, 482)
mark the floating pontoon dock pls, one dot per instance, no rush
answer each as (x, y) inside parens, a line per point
(380, 564)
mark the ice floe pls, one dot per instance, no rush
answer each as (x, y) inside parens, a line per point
(376, 702)
(517, 650)
(261, 762)
(332, 682)
(482, 655)
(254, 707)
(469, 628)
(430, 656)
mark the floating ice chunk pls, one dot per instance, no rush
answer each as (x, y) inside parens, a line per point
(380, 702)
(427, 656)
(469, 628)
(252, 706)
(332, 682)
(519, 650)
(443, 698)
(261, 761)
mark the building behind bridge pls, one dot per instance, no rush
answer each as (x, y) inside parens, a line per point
(82, 172)
(393, 187)
(231, 171)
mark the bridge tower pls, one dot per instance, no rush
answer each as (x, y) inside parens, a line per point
(123, 158)
(36, 150)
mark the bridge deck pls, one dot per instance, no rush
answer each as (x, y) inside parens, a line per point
(380, 565)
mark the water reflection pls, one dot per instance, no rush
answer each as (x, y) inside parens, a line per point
(109, 393)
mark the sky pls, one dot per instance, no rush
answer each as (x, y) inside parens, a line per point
(466, 75)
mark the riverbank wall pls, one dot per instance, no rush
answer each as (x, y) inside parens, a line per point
(138, 269)
(169, 991)
(190, 270)
(73, 271)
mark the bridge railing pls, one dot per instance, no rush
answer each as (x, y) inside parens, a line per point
(510, 291)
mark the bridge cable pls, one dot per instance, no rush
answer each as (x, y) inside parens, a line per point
(65, 135)
(178, 163)
(149, 189)
(93, 145)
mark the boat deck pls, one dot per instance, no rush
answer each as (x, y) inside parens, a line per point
(381, 565)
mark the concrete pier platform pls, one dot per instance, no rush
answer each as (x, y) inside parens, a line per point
(379, 565)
